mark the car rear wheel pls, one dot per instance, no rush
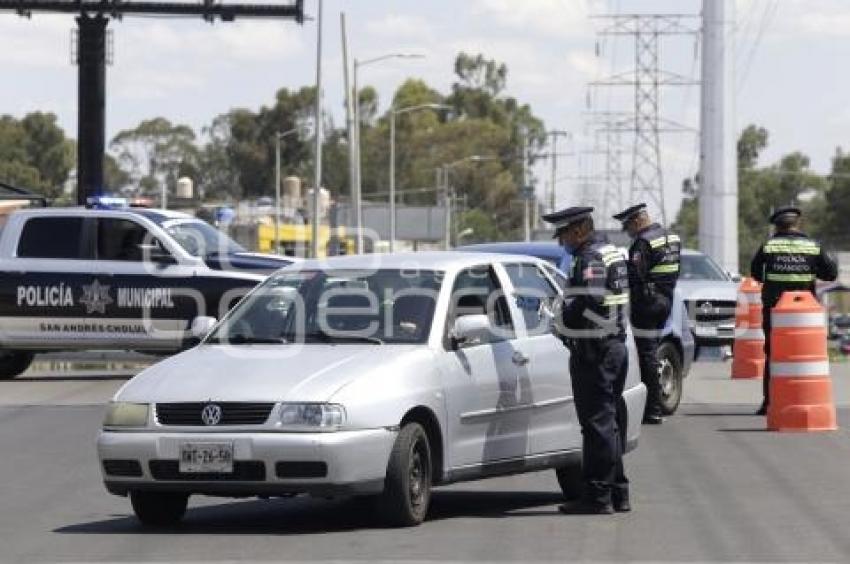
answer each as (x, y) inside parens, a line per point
(671, 377)
(13, 363)
(569, 478)
(159, 509)
(407, 487)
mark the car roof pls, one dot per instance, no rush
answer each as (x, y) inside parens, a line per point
(425, 260)
(533, 248)
(154, 215)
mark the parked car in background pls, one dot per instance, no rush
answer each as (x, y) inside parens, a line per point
(839, 326)
(677, 350)
(370, 375)
(711, 295)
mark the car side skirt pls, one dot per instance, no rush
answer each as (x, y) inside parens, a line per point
(510, 466)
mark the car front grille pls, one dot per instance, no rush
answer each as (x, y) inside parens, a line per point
(232, 413)
(243, 471)
(712, 311)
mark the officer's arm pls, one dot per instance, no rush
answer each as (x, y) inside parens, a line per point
(576, 298)
(757, 266)
(826, 267)
(638, 267)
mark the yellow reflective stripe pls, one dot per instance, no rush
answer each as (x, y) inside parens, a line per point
(776, 246)
(664, 269)
(655, 243)
(773, 277)
(610, 259)
(673, 238)
(616, 299)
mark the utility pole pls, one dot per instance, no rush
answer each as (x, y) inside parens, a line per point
(647, 78)
(718, 185)
(526, 197)
(608, 125)
(554, 134)
(352, 141)
(317, 168)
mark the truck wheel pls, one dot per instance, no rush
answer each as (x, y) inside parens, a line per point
(569, 478)
(671, 377)
(407, 487)
(159, 509)
(13, 363)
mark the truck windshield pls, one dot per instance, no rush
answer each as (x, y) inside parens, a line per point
(201, 239)
(701, 267)
(335, 306)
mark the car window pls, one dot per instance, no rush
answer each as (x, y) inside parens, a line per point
(532, 294)
(558, 276)
(201, 239)
(701, 267)
(121, 239)
(52, 237)
(477, 291)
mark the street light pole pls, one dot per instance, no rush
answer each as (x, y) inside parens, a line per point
(317, 176)
(276, 239)
(555, 134)
(358, 179)
(393, 113)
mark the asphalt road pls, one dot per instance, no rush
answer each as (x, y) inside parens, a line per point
(708, 485)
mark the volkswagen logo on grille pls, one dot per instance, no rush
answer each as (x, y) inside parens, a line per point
(706, 308)
(211, 414)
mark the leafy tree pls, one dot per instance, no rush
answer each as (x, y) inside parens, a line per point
(155, 152)
(34, 153)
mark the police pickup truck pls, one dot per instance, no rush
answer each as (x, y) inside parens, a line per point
(126, 279)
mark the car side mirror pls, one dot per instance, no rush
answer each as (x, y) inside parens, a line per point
(470, 330)
(201, 326)
(734, 277)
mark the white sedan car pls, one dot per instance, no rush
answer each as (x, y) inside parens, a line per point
(377, 375)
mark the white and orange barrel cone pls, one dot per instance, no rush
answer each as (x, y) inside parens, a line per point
(800, 384)
(748, 350)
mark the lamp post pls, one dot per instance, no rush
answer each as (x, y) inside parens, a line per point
(393, 113)
(358, 185)
(443, 175)
(279, 136)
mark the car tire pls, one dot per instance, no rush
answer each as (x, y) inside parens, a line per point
(570, 480)
(671, 376)
(13, 363)
(407, 486)
(159, 509)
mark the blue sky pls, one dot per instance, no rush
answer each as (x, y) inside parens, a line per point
(788, 55)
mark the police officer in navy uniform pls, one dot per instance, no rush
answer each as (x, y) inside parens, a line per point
(592, 324)
(788, 261)
(653, 272)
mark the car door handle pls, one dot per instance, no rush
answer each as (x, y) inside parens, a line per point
(519, 359)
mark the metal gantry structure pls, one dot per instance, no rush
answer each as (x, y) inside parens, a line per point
(92, 18)
(647, 79)
(609, 144)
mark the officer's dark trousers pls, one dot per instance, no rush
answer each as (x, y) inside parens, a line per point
(598, 373)
(765, 323)
(647, 329)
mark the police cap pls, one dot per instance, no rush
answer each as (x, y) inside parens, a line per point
(564, 218)
(630, 213)
(785, 211)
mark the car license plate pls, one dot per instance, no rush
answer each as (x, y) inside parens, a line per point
(206, 458)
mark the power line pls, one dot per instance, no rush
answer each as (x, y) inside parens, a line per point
(769, 13)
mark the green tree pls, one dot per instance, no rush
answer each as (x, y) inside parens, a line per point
(155, 152)
(34, 153)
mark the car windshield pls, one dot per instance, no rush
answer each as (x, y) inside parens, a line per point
(201, 239)
(701, 267)
(335, 306)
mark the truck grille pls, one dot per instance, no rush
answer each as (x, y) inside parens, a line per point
(712, 311)
(232, 413)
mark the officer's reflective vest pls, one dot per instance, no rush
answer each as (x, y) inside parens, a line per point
(665, 251)
(790, 263)
(602, 267)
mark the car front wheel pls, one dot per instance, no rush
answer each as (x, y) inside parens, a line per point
(13, 363)
(407, 487)
(671, 377)
(159, 509)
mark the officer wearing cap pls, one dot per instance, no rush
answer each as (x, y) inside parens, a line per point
(592, 324)
(788, 261)
(653, 272)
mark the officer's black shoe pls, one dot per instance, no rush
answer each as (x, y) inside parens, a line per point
(651, 419)
(622, 505)
(762, 409)
(586, 507)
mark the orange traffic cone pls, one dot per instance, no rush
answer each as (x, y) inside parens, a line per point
(800, 385)
(748, 351)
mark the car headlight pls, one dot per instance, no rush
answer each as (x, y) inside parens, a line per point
(312, 416)
(123, 414)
